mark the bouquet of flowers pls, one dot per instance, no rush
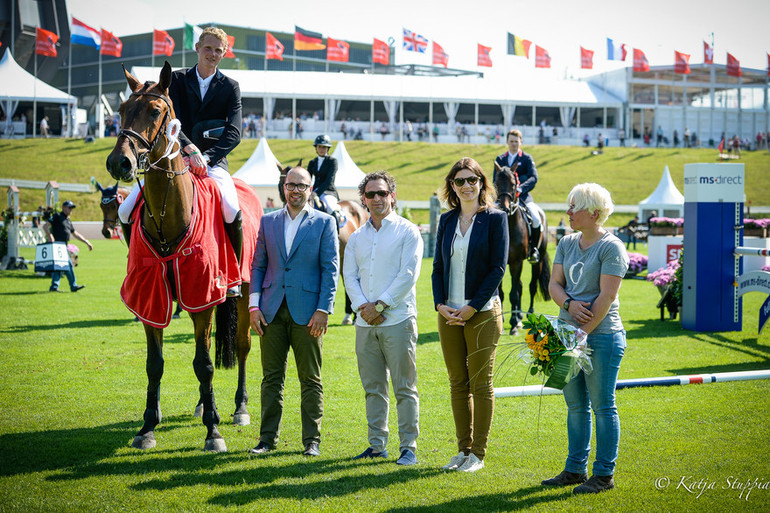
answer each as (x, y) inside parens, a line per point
(555, 349)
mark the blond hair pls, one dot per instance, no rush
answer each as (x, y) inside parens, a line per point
(592, 197)
(216, 32)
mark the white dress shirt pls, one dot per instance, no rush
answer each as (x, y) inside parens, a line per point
(457, 265)
(384, 265)
(203, 83)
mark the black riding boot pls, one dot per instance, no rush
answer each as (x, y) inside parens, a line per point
(337, 220)
(126, 227)
(534, 240)
(234, 232)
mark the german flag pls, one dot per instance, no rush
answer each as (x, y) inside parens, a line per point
(306, 40)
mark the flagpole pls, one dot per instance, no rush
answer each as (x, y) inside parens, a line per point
(34, 100)
(99, 116)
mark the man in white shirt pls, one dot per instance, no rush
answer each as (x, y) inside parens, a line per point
(381, 267)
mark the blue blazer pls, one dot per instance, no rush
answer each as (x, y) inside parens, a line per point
(487, 256)
(307, 276)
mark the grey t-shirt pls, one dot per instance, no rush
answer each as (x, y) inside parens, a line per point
(583, 270)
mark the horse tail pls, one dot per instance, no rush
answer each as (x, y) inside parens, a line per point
(545, 268)
(227, 327)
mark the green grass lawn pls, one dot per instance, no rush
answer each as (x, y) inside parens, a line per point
(630, 174)
(73, 389)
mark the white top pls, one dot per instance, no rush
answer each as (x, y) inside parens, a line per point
(384, 265)
(204, 83)
(457, 266)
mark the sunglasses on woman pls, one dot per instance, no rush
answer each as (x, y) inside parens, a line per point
(372, 194)
(472, 180)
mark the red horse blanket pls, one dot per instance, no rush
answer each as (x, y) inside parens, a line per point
(204, 263)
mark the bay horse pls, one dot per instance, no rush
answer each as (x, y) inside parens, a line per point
(506, 184)
(147, 145)
(355, 215)
(112, 197)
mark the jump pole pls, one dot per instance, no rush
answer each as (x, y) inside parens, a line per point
(696, 379)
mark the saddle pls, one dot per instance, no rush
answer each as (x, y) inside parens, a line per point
(336, 214)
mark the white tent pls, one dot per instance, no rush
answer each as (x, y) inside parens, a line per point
(21, 86)
(349, 176)
(261, 172)
(666, 200)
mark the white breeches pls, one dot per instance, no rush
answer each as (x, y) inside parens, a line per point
(222, 178)
(329, 201)
(534, 212)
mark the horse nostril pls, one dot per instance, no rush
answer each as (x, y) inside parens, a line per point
(125, 164)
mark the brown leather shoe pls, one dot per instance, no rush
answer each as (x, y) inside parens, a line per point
(596, 484)
(565, 478)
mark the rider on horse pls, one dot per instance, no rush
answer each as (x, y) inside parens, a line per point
(211, 129)
(523, 164)
(323, 169)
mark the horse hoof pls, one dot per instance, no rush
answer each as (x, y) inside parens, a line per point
(215, 445)
(347, 320)
(241, 419)
(198, 411)
(514, 331)
(144, 442)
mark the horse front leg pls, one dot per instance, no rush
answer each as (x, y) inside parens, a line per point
(241, 416)
(145, 438)
(204, 371)
(533, 285)
(516, 290)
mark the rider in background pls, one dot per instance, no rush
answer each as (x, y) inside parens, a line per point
(527, 180)
(323, 169)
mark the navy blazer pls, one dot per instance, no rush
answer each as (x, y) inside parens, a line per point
(526, 171)
(487, 256)
(324, 177)
(222, 102)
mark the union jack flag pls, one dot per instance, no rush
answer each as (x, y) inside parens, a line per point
(414, 42)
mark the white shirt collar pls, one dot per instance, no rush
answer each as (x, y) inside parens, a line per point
(307, 208)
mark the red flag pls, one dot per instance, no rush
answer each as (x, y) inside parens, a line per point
(542, 59)
(681, 63)
(586, 58)
(440, 57)
(230, 44)
(708, 53)
(274, 48)
(162, 43)
(45, 42)
(640, 61)
(733, 66)
(483, 55)
(380, 52)
(721, 146)
(337, 50)
(111, 45)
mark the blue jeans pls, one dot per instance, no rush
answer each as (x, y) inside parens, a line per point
(69, 273)
(595, 391)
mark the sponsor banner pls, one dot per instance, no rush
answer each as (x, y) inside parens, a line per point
(714, 183)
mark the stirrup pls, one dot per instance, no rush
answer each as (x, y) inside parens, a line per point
(234, 291)
(534, 256)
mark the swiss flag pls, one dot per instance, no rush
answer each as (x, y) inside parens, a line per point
(542, 59)
(586, 58)
(45, 42)
(708, 53)
(733, 66)
(337, 50)
(274, 48)
(111, 44)
(162, 43)
(681, 63)
(440, 57)
(640, 61)
(380, 52)
(230, 44)
(483, 56)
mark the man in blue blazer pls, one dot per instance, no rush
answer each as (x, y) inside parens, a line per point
(294, 280)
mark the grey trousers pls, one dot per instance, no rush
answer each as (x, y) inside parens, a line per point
(382, 351)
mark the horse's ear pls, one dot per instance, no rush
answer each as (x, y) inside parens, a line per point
(133, 83)
(165, 77)
(99, 187)
(299, 164)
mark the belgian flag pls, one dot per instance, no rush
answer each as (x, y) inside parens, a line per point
(306, 40)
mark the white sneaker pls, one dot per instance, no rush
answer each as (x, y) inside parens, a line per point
(456, 462)
(472, 464)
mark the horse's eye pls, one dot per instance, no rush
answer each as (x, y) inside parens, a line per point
(155, 113)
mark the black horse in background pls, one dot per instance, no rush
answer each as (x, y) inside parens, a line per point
(506, 183)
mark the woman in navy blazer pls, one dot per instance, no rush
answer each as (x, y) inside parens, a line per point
(469, 264)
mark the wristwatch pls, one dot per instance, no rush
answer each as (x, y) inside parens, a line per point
(379, 306)
(566, 304)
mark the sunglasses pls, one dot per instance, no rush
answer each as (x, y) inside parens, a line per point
(472, 180)
(372, 194)
(301, 187)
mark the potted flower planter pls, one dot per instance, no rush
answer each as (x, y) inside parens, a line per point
(666, 230)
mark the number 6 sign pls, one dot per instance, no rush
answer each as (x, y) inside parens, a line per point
(51, 256)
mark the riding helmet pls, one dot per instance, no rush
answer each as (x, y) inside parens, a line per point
(323, 140)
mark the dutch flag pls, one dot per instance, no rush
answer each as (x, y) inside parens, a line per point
(82, 34)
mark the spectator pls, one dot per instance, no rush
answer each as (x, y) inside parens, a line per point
(586, 140)
(44, 127)
(659, 136)
(435, 133)
(686, 137)
(622, 136)
(59, 229)
(676, 138)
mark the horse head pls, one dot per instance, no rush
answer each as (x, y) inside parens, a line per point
(146, 126)
(112, 197)
(506, 184)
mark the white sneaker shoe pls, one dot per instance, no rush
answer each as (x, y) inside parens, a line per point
(472, 464)
(456, 462)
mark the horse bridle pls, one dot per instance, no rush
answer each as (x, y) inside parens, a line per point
(106, 201)
(145, 165)
(514, 204)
